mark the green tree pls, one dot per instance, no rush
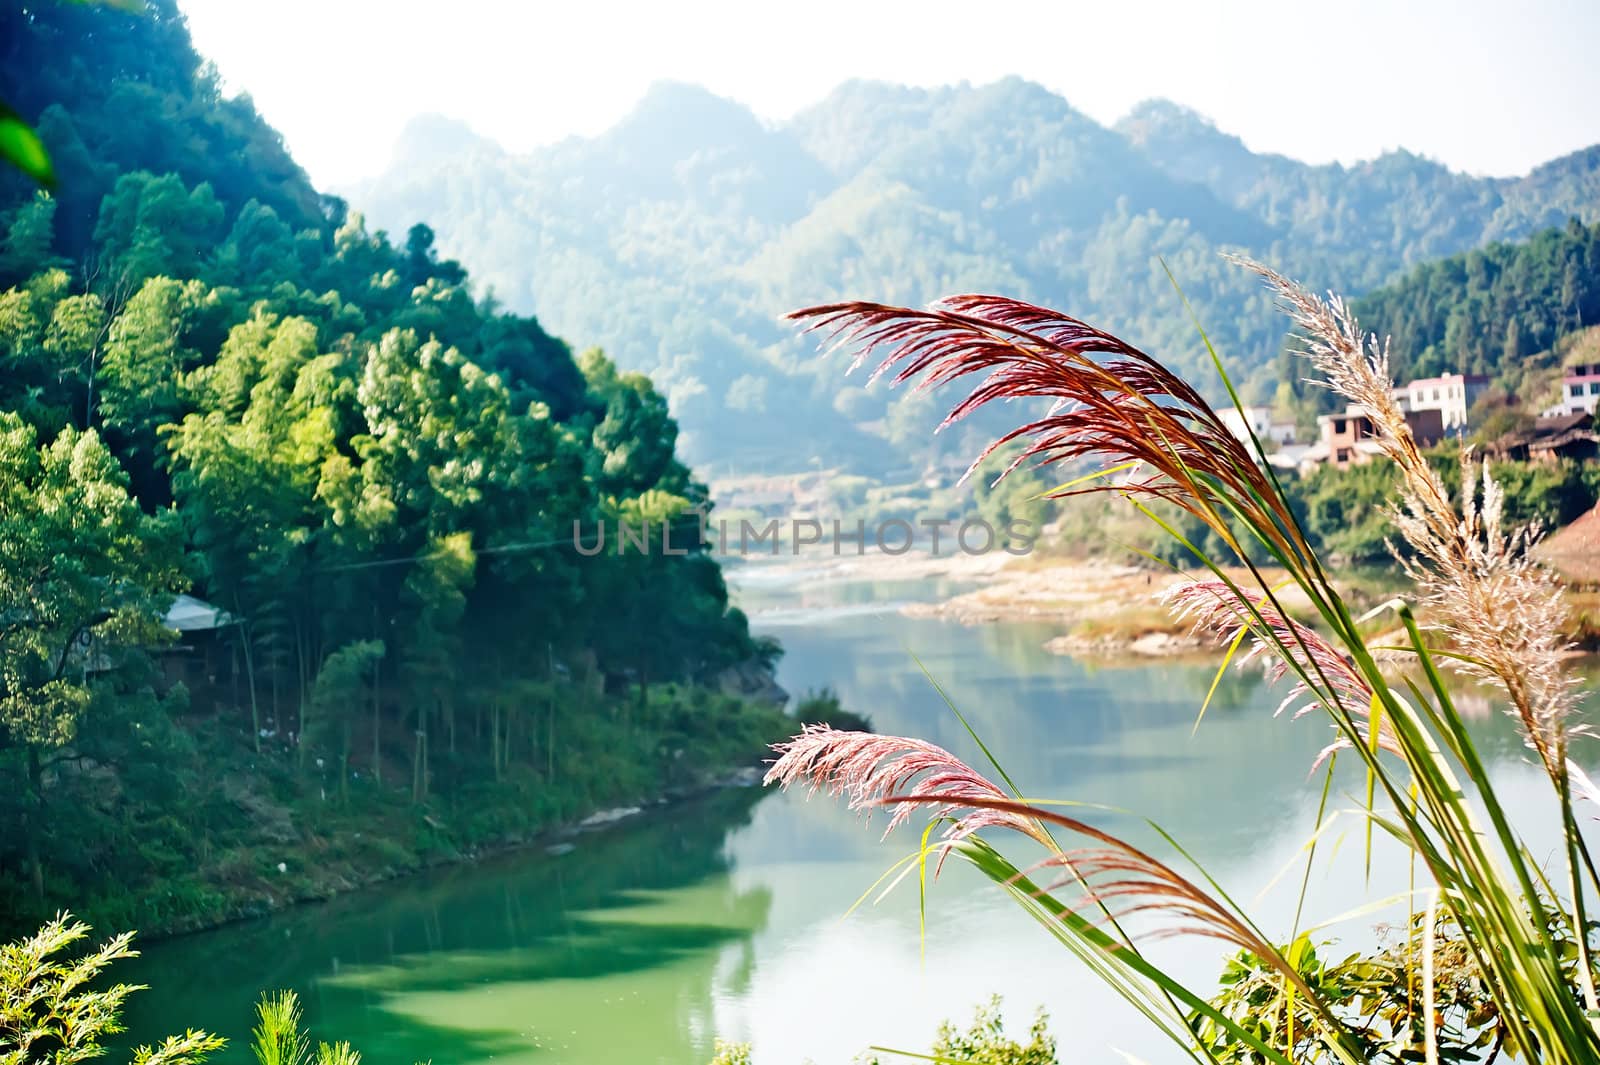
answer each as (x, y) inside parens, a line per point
(152, 226)
(29, 239)
(79, 326)
(339, 693)
(83, 573)
(260, 245)
(637, 438)
(145, 356)
(435, 600)
(1016, 497)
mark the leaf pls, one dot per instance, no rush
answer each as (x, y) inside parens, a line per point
(19, 144)
(21, 147)
(1233, 648)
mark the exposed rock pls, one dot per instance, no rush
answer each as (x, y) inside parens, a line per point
(754, 681)
(269, 820)
(606, 817)
(1146, 645)
(746, 777)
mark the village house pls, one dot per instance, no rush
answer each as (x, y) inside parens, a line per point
(1452, 395)
(1434, 407)
(1290, 457)
(1257, 420)
(200, 658)
(1580, 390)
(1274, 434)
(1552, 438)
(1346, 439)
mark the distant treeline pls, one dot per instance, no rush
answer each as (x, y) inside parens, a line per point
(1510, 311)
(1485, 311)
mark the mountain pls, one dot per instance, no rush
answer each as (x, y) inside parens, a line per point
(677, 240)
(1399, 207)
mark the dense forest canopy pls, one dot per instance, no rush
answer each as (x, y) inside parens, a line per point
(679, 237)
(214, 379)
(1487, 311)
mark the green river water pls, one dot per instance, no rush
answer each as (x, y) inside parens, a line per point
(726, 917)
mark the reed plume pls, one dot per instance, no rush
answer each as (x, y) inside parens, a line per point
(1220, 612)
(1117, 878)
(1499, 609)
(1109, 401)
(1224, 614)
(1122, 880)
(873, 770)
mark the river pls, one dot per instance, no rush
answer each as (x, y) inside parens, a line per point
(727, 917)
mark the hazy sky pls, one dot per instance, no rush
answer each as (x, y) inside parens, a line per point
(1466, 82)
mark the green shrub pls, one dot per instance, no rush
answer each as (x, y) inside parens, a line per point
(731, 1054)
(985, 1042)
(49, 1014)
(821, 707)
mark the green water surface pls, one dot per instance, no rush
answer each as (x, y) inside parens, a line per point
(727, 916)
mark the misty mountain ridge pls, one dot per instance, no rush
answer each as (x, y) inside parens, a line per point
(677, 238)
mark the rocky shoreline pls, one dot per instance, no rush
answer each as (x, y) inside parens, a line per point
(554, 841)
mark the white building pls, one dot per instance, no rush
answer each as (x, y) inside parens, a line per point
(1257, 420)
(1580, 390)
(1451, 395)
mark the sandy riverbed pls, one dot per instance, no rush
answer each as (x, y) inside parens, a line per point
(1099, 608)
(1102, 608)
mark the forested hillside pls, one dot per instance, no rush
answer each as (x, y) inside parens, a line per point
(681, 261)
(215, 380)
(1488, 311)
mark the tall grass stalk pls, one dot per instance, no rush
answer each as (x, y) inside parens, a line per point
(1488, 614)
(279, 1037)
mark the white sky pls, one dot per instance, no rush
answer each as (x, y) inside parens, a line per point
(1466, 82)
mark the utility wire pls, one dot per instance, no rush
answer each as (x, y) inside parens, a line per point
(501, 549)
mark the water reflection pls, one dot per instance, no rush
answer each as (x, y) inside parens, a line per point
(516, 958)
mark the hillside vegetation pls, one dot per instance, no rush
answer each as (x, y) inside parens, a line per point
(1490, 310)
(679, 237)
(214, 379)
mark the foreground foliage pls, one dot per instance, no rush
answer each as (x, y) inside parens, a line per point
(984, 1042)
(50, 1011)
(1502, 960)
(1379, 996)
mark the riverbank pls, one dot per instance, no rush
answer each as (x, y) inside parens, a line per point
(1103, 609)
(259, 830)
(325, 876)
(1112, 610)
